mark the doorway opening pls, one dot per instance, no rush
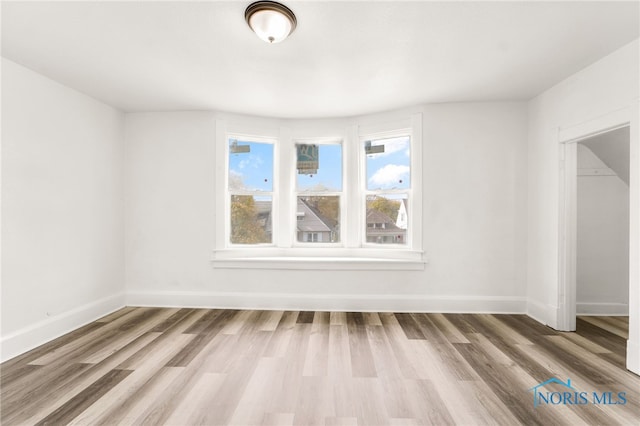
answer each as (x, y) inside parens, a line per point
(602, 236)
(602, 224)
(600, 156)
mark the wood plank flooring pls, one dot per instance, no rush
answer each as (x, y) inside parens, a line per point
(216, 367)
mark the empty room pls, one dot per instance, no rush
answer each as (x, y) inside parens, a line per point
(320, 213)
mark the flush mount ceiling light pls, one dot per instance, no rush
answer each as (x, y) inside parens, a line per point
(271, 21)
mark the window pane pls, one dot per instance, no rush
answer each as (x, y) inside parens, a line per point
(388, 164)
(250, 219)
(387, 219)
(328, 174)
(318, 219)
(250, 166)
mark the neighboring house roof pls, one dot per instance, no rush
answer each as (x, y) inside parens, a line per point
(312, 220)
(376, 216)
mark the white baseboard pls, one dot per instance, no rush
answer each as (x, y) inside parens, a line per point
(633, 357)
(609, 309)
(538, 311)
(331, 302)
(42, 332)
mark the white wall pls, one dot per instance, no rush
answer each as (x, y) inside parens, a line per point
(62, 209)
(602, 272)
(609, 85)
(474, 184)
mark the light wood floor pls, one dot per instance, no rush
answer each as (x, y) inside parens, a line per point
(196, 366)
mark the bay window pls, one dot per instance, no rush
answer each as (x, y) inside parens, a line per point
(290, 199)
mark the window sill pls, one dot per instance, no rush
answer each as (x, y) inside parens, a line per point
(409, 262)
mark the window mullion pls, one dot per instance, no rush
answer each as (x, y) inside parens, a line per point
(353, 166)
(284, 191)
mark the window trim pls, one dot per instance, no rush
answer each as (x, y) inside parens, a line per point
(412, 128)
(320, 263)
(351, 253)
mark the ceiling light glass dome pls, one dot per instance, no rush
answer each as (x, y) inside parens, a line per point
(271, 21)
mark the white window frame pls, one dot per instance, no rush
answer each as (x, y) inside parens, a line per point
(273, 193)
(411, 127)
(352, 253)
(366, 192)
(339, 194)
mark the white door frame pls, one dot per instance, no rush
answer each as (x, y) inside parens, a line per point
(568, 138)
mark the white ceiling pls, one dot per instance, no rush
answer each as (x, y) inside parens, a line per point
(345, 58)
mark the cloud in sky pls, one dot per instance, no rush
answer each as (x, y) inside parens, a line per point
(389, 176)
(393, 145)
(253, 162)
